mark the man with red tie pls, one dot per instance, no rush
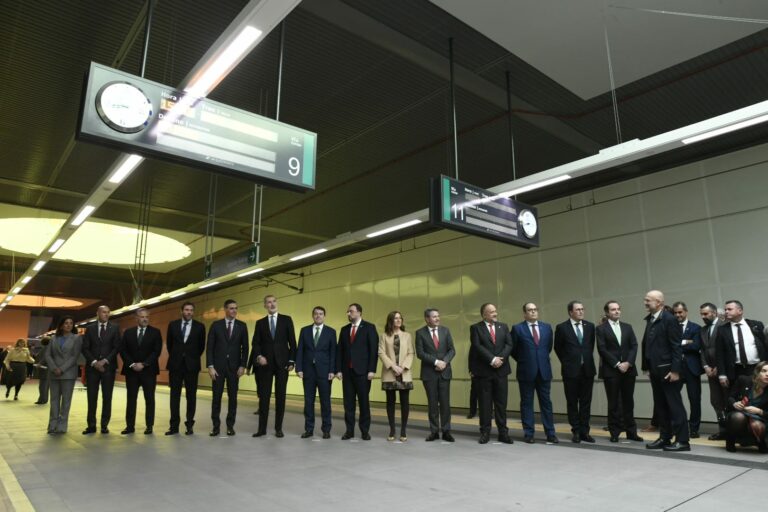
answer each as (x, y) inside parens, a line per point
(357, 356)
(491, 345)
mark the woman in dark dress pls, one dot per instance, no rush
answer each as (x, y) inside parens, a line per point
(749, 412)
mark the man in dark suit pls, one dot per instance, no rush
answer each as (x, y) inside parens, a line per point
(532, 343)
(101, 344)
(434, 347)
(274, 351)
(490, 347)
(691, 370)
(315, 365)
(226, 357)
(140, 350)
(740, 346)
(574, 346)
(718, 395)
(663, 360)
(617, 346)
(185, 341)
(356, 360)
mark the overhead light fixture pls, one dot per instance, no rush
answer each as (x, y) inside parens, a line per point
(250, 272)
(175, 295)
(9, 298)
(209, 285)
(534, 186)
(125, 167)
(39, 265)
(726, 129)
(394, 228)
(307, 255)
(84, 213)
(16, 290)
(56, 245)
(26, 280)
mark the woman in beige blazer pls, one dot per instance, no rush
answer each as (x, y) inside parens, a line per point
(396, 353)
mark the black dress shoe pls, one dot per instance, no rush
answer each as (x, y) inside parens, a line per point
(128, 431)
(214, 433)
(716, 437)
(504, 438)
(634, 437)
(587, 438)
(470, 416)
(553, 439)
(575, 438)
(448, 437)
(279, 433)
(259, 434)
(230, 431)
(307, 434)
(189, 431)
(347, 436)
(89, 430)
(484, 438)
(326, 435)
(677, 446)
(529, 440)
(366, 436)
(614, 439)
(172, 432)
(104, 430)
(432, 437)
(658, 444)
(148, 431)
(730, 446)
(694, 434)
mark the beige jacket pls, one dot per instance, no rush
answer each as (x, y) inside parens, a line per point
(18, 355)
(387, 356)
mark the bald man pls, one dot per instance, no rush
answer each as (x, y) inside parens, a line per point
(662, 360)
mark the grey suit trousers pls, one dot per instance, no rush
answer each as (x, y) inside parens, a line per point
(61, 399)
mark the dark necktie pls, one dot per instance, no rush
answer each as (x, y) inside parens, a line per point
(579, 334)
(742, 348)
(317, 335)
(102, 332)
(229, 330)
(435, 340)
(352, 334)
(492, 331)
(272, 326)
(535, 334)
(184, 332)
(141, 336)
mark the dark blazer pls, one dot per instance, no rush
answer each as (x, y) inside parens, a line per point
(280, 351)
(147, 354)
(482, 350)
(532, 360)
(323, 355)
(427, 354)
(692, 351)
(613, 353)
(662, 351)
(571, 353)
(361, 356)
(709, 344)
(726, 349)
(95, 349)
(227, 354)
(189, 353)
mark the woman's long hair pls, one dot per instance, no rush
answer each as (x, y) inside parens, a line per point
(59, 328)
(758, 368)
(21, 343)
(389, 327)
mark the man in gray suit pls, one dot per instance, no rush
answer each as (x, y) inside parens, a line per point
(434, 347)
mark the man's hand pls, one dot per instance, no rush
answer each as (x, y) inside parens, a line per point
(331, 376)
(624, 367)
(371, 375)
(300, 374)
(57, 372)
(212, 372)
(137, 367)
(240, 371)
(440, 365)
(724, 382)
(338, 375)
(496, 362)
(290, 367)
(261, 360)
(672, 377)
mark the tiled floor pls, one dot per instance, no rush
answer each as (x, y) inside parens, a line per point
(187, 473)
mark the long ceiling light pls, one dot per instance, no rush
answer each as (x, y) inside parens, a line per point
(125, 165)
(308, 254)
(534, 186)
(726, 129)
(397, 227)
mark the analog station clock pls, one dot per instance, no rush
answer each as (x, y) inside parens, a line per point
(123, 107)
(528, 223)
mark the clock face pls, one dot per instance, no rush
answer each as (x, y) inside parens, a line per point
(123, 107)
(528, 223)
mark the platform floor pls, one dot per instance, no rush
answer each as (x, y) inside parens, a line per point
(111, 472)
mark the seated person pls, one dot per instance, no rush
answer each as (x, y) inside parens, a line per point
(749, 412)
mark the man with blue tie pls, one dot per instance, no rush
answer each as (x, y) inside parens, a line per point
(315, 365)
(692, 370)
(532, 343)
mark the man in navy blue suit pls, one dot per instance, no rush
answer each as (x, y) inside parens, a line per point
(315, 365)
(692, 370)
(356, 360)
(532, 342)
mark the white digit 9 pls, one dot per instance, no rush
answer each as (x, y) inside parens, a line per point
(294, 166)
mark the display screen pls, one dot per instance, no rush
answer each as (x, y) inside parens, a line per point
(470, 209)
(144, 117)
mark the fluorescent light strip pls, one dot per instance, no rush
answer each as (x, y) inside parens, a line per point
(39, 265)
(534, 186)
(84, 213)
(9, 298)
(209, 285)
(394, 228)
(56, 245)
(26, 280)
(307, 255)
(726, 129)
(126, 168)
(16, 290)
(177, 295)
(250, 272)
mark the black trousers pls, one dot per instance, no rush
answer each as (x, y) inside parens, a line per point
(492, 390)
(472, 398)
(268, 374)
(718, 398)
(188, 380)
(315, 382)
(620, 391)
(693, 388)
(578, 397)
(147, 380)
(228, 377)
(356, 389)
(106, 380)
(668, 403)
(439, 403)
